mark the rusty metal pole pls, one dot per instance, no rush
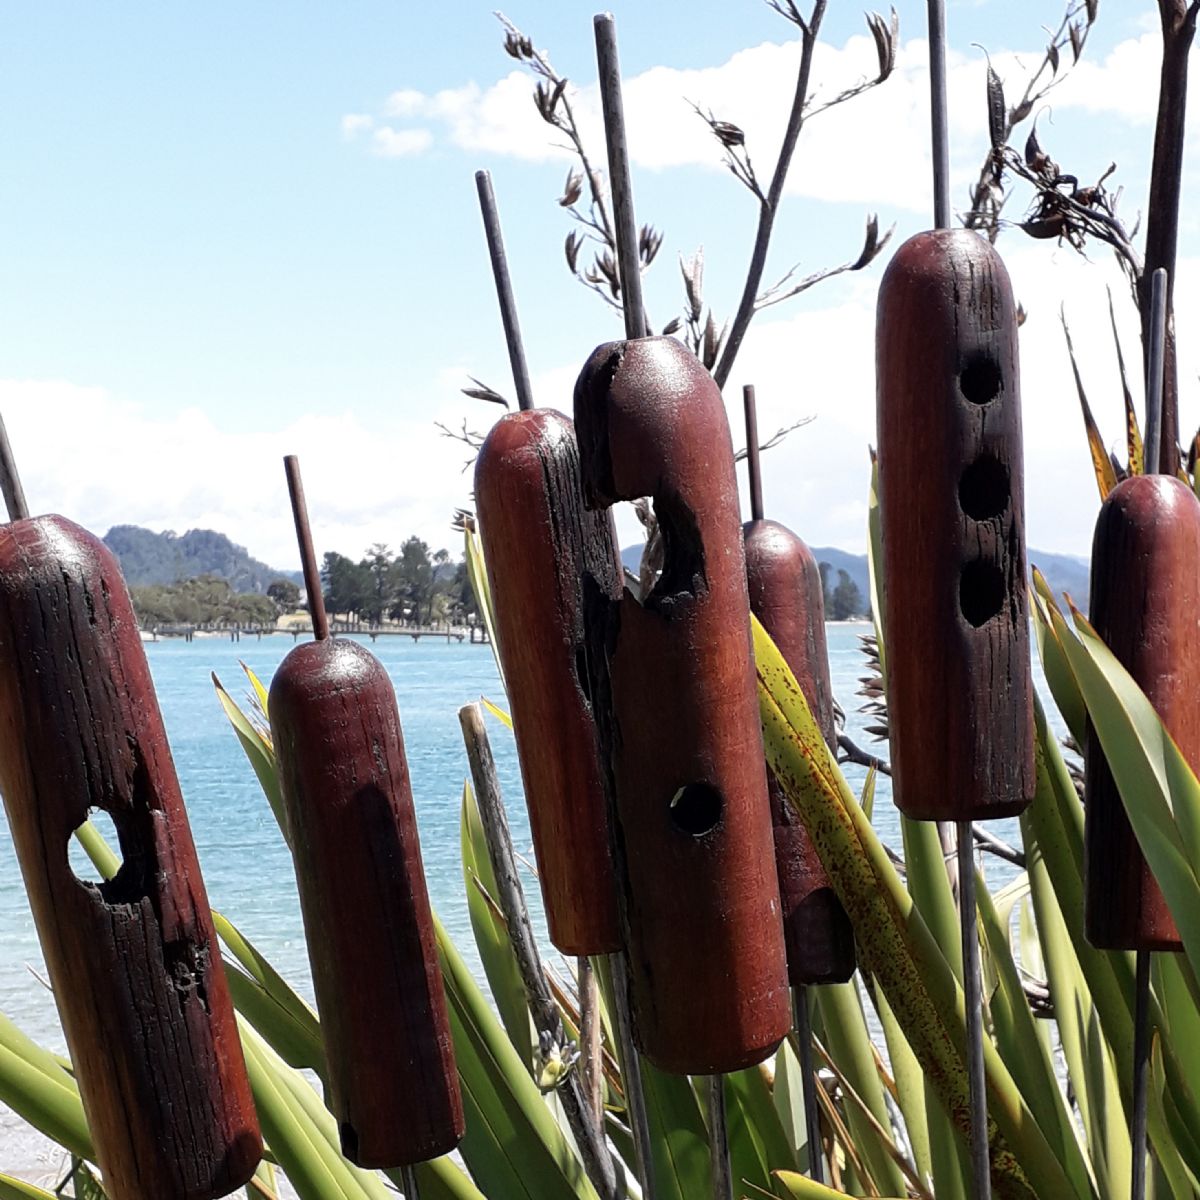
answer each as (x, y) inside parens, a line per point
(504, 289)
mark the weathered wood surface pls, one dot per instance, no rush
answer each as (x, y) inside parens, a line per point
(950, 469)
(134, 962)
(1145, 604)
(787, 596)
(677, 711)
(371, 943)
(542, 547)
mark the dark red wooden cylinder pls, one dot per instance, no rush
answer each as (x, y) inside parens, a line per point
(788, 597)
(371, 943)
(134, 961)
(951, 478)
(1145, 604)
(541, 544)
(677, 711)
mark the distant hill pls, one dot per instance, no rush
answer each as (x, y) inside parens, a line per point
(1063, 572)
(147, 558)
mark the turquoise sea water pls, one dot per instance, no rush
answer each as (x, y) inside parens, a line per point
(246, 865)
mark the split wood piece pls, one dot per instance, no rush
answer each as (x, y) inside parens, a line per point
(950, 468)
(677, 713)
(344, 778)
(542, 548)
(1145, 604)
(787, 596)
(134, 961)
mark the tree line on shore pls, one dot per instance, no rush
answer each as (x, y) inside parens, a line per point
(414, 587)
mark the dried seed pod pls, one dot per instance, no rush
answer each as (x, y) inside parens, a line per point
(371, 943)
(787, 596)
(1145, 604)
(677, 711)
(950, 470)
(541, 544)
(134, 961)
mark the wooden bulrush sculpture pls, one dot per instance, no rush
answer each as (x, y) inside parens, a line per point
(679, 722)
(959, 694)
(540, 544)
(787, 595)
(134, 961)
(353, 833)
(1145, 604)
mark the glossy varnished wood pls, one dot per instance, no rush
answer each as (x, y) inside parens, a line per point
(134, 961)
(371, 943)
(787, 596)
(950, 468)
(677, 711)
(542, 547)
(1145, 604)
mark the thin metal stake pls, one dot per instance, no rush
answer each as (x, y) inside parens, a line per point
(939, 114)
(1141, 1056)
(752, 461)
(629, 262)
(1152, 450)
(504, 290)
(718, 1140)
(308, 556)
(10, 480)
(973, 990)
(631, 1075)
(812, 1115)
(408, 1179)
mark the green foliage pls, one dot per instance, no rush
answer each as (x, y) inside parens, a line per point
(163, 558)
(205, 600)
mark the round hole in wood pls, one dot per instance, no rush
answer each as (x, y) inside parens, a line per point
(983, 489)
(981, 379)
(82, 866)
(981, 592)
(696, 809)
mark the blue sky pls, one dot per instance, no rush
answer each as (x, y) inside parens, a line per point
(207, 266)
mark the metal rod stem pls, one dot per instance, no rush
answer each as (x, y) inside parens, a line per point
(408, 1178)
(631, 1075)
(629, 262)
(10, 480)
(808, 1072)
(973, 990)
(1141, 1057)
(939, 115)
(752, 459)
(718, 1140)
(504, 290)
(1153, 448)
(308, 556)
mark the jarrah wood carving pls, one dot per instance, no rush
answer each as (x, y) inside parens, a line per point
(677, 711)
(344, 778)
(541, 544)
(1145, 604)
(134, 961)
(788, 597)
(950, 470)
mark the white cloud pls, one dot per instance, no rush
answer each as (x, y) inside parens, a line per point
(387, 142)
(355, 123)
(852, 153)
(102, 461)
